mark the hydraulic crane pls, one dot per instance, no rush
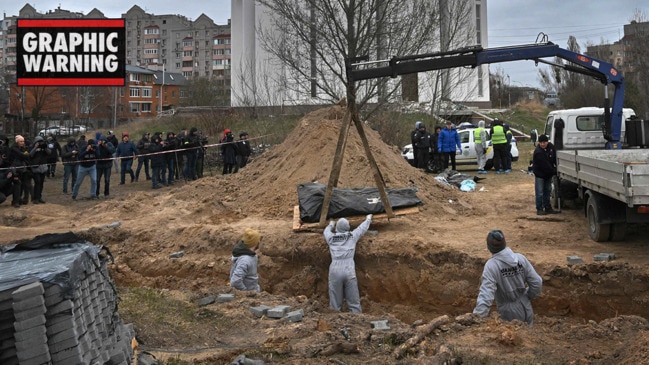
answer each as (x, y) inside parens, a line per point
(361, 68)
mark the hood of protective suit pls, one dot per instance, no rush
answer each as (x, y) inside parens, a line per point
(342, 225)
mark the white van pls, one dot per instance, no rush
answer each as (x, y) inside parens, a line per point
(581, 128)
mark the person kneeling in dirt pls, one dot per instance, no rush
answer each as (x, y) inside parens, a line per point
(342, 271)
(510, 279)
(243, 272)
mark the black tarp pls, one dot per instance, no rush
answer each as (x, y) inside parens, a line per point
(350, 202)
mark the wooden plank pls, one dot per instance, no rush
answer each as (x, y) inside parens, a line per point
(336, 166)
(299, 226)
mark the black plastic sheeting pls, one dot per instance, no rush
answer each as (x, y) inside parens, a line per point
(59, 259)
(350, 202)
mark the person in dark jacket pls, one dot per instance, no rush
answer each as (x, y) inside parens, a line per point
(243, 151)
(126, 151)
(544, 166)
(158, 162)
(191, 144)
(228, 151)
(171, 144)
(105, 152)
(423, 144)
(19, 160)
(87, 166)
(113, 139)
(38, 157)
(70, 159)
(413, 142)
(243, 270)
(143, 160)
(53, 158)
(448, 143)
(435, 156)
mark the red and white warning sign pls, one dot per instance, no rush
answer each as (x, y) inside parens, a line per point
(71, 52)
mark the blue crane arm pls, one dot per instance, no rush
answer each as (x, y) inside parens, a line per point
(476, 56)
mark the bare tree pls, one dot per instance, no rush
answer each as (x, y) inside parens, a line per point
(312, 40)
(636, 65)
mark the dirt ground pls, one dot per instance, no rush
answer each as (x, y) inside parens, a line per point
(412, 270)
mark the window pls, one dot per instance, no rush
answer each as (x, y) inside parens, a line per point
(135, 107)
(152, 31)
(146, 107)
(187, 53)
(590, 123)
(134, 92)
(218, 52)
(187, 43)
(150, 41)
(218, 62)
(146, 92)
(187, 73)
(151, 51)
(464, 137)
(134, 78)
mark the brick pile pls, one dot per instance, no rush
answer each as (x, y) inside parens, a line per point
(58, 306)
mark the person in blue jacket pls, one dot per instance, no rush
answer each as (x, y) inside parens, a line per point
(448, 143)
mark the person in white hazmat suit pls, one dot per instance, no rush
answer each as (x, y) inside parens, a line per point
(342, 270)
(510, 279)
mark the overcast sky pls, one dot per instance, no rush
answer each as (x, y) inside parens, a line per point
(510, 22)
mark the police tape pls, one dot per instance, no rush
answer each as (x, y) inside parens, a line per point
(135, 157)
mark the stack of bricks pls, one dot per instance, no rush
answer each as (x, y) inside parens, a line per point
(48, 323)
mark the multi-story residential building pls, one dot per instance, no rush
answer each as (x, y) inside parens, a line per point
(158, 46)
(198, 48)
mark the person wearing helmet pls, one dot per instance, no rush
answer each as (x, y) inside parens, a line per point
(510, 280)
(342, 270)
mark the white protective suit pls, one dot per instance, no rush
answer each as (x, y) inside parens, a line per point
(243, 270)
(504, 279)
(342, 270)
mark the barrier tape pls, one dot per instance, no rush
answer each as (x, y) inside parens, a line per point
(142, 154)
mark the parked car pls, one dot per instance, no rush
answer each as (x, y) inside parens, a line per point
(74, 129)
(467, 156)
(54, 130)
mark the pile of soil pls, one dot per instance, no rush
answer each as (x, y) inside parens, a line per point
(412, 270)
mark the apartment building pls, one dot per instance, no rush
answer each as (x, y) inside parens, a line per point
(163, 52)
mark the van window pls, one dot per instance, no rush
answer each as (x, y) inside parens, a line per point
(590, 123)
(464, 137)
(548, 126)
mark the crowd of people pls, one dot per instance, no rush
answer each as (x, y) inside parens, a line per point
(27, 164)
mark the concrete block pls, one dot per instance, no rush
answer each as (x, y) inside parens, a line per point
(27, 291)
(42, 358)
(206, 301)
(6, 304)
(28, 303)
(26, 324)
(30, 333)
(259, 311)
(61, 307)
(223, 298)
(29, 313)
(602, 257)
(62, 336)
(295, 316)
(177, 255)
(59, 326)
(6, 295)
(380, 325)
(60, 346)
(29, 349)
(70, 355)
(575, 260)
(8, 353)
(278, 311)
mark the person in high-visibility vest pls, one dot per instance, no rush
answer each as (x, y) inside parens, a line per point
(499, 143)
(480, 142)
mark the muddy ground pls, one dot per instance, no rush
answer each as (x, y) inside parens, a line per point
(414, 270)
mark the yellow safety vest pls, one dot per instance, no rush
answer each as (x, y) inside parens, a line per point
(476, 135)
(499, 135)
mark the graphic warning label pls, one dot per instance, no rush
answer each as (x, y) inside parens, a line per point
(70, 52)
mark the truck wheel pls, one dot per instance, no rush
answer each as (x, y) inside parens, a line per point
(598, 232)
(618, 231)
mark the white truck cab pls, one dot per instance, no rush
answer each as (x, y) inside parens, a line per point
(572, 129)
